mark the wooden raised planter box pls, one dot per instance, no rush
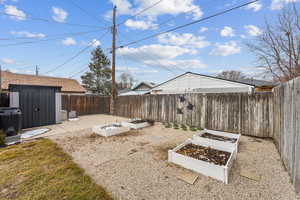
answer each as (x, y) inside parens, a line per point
(219, 172)
(136, 124)
(219, 138)
(110, 129)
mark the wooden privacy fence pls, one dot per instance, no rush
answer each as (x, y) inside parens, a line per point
(275, 115)
(286, 123)
(243, 113)
(86, 104)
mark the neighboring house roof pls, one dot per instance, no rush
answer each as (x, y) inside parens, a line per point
(68, 85)
(148, 84)
(121, 91)
(140, 92)
(203, 76)
(258, 83)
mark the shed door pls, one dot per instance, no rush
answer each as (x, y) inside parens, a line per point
(37, 105)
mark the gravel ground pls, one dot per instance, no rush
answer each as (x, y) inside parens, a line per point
(134, 165)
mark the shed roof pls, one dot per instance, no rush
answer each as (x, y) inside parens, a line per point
(66, 84)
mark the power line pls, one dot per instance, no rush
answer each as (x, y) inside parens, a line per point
(50, 21)
(140, 12)
(54, 35)
(76, 55)
(84, 11)
(82, 70)
(43, 40)
(153, 58)
(76, 73)
(188, 24)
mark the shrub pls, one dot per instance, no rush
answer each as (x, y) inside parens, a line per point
(183, 127)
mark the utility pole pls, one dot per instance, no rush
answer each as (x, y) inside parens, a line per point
(0, 78)
(113, 63)
(36, 70)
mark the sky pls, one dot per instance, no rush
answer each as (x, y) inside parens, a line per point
(59, 35)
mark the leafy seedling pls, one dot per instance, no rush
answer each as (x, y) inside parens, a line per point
(168, 125)
(183, 127)
(175, 126)
(199, 128)
(193, 128)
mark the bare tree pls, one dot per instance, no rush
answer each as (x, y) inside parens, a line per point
(231, 75)
(278, 48)
(126, 81)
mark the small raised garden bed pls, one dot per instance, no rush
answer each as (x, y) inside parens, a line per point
(209, 160)
(218, 138)
(110, 129)
(137, 123)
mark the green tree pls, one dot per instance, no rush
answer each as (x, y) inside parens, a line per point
(98, 79)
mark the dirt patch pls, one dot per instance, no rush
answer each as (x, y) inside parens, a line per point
(131, 133)
(218, 137)
(161, 152)
(205, 153)
(146, 174)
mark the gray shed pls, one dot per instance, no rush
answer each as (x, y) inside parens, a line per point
(40, 105)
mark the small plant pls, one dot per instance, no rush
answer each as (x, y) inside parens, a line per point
(2, 139)
(168, 125)
(199, 128)
(175, 126)
(183, 127)
(193, 128)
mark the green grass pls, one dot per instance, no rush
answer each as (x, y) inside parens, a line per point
(41, 170)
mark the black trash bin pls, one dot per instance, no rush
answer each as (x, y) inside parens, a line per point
(10, 120)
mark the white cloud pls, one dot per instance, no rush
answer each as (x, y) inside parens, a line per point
(279, 4)
(243, 36)
(59, 14)
(140, 24)
(155, 51)
(135, 70)
(203, 29)
(227, 32)
(95, 43)
(253, 30)
(181, 64)
(2, 1)
(172, 7)
(28, 34)
(158, 55)
(69, 41)
(14, 12)
(256, 6)
(7, 61)
(226, 49)
(185, 39)
(124, 6)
